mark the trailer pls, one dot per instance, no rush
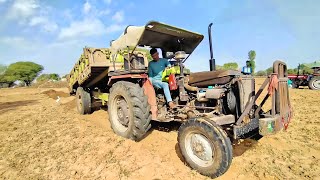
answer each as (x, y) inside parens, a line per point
(95, 69)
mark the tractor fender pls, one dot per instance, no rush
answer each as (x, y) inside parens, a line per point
(151, 94)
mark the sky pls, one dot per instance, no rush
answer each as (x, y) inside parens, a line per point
(53, 32)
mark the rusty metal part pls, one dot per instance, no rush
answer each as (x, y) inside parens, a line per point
(280, 68)
(225, 119)
(196, 107)
(207, 78)
(246, 90)
(182, 91)
(282, 101)
(126, 76)
(214, 93)
(220, 120)
(187, 86)
(251, 103)
(191, 114)
(284, 104)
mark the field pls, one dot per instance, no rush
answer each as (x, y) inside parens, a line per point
(41, 138)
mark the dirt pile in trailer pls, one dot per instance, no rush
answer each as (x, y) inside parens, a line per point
(42, 138)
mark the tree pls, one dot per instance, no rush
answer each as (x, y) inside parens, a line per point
(261, 73)
(218, 67)
(269, 70)
(46, 77)
(292, 71)
(3, 68)
(304, 69)
(23, 71)
(252, 57)
(230, 65)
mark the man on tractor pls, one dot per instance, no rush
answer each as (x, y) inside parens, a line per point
(155, 70)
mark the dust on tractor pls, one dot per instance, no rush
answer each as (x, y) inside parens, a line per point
(310, 80)
(214, 107)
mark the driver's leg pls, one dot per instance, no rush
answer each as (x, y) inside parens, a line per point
(166, 90)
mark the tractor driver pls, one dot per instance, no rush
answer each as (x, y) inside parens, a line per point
(155, 69)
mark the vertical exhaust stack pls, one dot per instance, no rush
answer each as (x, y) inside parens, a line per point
(212, 61)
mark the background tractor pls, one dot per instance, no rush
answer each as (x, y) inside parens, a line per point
(310, 80)
(214, 107)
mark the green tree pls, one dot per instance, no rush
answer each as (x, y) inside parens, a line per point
(261, 73)
(218, 67)
(46, 77)
(292, 71)
(2, 68)
(23, 71)
(252, 57)
(230, 65)
(269, 70)
(304, 69)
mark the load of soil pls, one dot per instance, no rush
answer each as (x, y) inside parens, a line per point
(51, 84)
(55, 94)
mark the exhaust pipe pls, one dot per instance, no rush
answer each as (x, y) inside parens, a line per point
(212, 61)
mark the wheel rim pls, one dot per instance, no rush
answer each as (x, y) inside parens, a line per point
(316, 84)
(79, 102)
(199, 149)
(120, 113)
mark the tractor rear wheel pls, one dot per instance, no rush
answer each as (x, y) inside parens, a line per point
(129, 110)
(83, 101)
(314, 83)
(205, 147)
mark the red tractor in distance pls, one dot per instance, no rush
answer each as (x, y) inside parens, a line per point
(310, 80)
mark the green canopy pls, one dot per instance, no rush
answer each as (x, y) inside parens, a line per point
(314, 64)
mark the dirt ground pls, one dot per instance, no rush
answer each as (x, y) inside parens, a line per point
(43, 137)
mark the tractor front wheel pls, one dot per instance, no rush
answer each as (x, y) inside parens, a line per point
(129, 111)
(314, 83)
(205, 147)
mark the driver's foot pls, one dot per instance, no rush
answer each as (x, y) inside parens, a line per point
(172, 105)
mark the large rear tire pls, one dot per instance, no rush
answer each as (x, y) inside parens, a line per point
(83, 101)
(205, 147)
(129, 110)
(314, 83)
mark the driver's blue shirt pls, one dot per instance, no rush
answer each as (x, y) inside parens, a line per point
(155, 68)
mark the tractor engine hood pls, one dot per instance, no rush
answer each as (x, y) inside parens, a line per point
(158, 35)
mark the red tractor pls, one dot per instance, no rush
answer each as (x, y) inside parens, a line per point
(311, 80)
(213, 107)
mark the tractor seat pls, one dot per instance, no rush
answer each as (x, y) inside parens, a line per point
(208, 78)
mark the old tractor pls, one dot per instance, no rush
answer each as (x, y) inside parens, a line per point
(310, 80)
(214, 107)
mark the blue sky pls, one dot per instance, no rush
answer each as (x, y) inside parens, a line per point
(53, 32)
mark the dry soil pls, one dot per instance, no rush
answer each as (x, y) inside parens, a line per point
(42, 137)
